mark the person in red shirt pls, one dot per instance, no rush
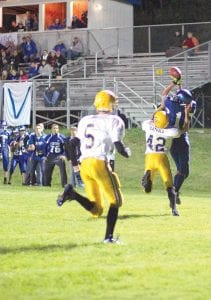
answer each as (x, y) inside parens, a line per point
(190, 42)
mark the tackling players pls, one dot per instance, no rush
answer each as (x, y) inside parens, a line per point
(96, 134)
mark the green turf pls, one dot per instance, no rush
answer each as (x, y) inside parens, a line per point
(48, 252)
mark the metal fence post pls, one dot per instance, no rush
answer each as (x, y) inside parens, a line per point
(68, 103)
(209, 60)
(34, 104)
(149, 40)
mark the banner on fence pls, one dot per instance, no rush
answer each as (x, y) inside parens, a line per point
(17, 103)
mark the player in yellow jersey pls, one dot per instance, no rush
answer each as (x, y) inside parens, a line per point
(156, 159)
(96, 136)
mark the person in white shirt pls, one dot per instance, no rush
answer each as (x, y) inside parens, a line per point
(156, 159)
(96, 136)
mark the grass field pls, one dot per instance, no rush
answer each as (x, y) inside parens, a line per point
(48, 252)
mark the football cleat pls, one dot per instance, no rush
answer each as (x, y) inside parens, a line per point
(146, 182)
(68, 194)
(111, 240)
(175, 213)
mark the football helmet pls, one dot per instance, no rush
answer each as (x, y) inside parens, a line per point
(161, 119)
(105, 100)
(183, 97)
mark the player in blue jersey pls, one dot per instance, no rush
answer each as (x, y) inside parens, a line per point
(37, 145)
(55, 155)
(5, 136)
(18, 146)
(180, 148)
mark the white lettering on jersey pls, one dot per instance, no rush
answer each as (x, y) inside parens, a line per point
(97, 134)
(156, 137)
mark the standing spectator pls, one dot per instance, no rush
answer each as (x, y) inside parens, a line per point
(76, 49)
(77, 23)
(37, 145)
(29, 49)
(60, 61)
(56, 25)
(55, 155)
(33, 69)
(60, 46)
(35, 23)
(13, 26)
(29, 21)
(190, 42)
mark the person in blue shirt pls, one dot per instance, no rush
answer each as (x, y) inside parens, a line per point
(55, 155)
(29, 49)
(180, 148)
(5, 136)
(19, 157)
(37, 146)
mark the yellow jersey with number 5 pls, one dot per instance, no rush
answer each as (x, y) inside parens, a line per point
(97, 133)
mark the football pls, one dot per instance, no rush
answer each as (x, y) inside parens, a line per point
(175, 72)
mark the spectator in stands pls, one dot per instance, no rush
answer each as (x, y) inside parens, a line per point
(33, 69)
(76, 49)
(177, 40)
(190, 42)
(10, 47)
(45, 69)
(56, 25)
(22, 75)
(84, 18)
(52, 58)
(20, 27)
(15, 59)
(35, 22)
(60, 46)
(13, 75)
(77, 23)
(44, 55)
(3, 57)
(5, 65)
(29, 21)
(13, 26)
(60, 61)
(4, 75)
(29, 49)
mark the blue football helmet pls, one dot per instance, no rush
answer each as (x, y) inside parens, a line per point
(183, 97)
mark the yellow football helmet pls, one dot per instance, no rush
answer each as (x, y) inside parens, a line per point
(161, 119)
(105, 100)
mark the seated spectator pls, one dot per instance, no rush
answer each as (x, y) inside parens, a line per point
(76, 49)
(13, 27)
(190, 42)
(29, 49)
(4, 56)
(20, 27)
(44, 55)
(45, 69)
(4, 75)
(56, 25)
(15, 59)
(175, 44)
(33, 69)
(77, 23)
(52, 59)
(60, 47)
(5, 65)
(60, 61)
(22, 75)
(13, 75)
(52, 96)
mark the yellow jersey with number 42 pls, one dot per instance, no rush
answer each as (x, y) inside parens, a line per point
(97, 133)
(156, 138)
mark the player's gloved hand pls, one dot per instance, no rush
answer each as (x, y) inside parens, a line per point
(128, 151)
(176, 81)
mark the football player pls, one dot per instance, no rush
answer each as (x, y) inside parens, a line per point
(175, 108)
(95, 135)
(156, 159)
(5, 136)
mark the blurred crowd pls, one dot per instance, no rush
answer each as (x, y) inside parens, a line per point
(25, 61)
